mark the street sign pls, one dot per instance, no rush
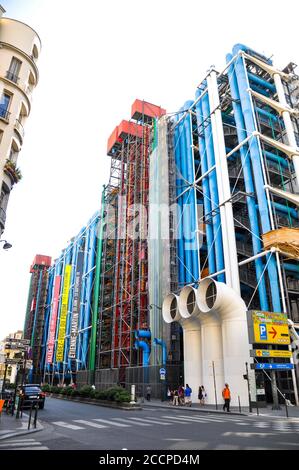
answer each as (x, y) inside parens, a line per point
(13, 361)
(270, 353)
(16, 340)
(163, 371)
(262, 366)
(268, 327)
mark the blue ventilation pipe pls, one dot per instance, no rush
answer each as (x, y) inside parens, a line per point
(82, 301)
(213, 189)
(249, 185)
(186, 219)
(285, 210)
(161, 342)
(73, 248)
(205, 185)
(192, 191)
(146, 352)
(257, 171)
(260, 82)
(179, 189)
(248, 50)
(142, 334)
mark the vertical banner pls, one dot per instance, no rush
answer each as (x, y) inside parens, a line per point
(53, 320)
(76, 305)
(63, 313)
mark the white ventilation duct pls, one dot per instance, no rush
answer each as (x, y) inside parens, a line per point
(211, 341)
(192, 340)
(219, 299)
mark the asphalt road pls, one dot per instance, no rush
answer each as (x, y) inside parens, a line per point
(71, 425)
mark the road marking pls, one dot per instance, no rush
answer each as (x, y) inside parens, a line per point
(150, 420)
(177, 419)
(289, 443)
(248, 434)
(106, 421)
(33, 448)
(126, 420)
(16, 444)
(226, 447)
(67, 425)
(89, 423)
(200, 418)
(20, 440)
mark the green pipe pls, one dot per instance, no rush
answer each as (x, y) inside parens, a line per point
(97, 285)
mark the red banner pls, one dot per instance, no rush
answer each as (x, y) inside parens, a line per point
(53, 320)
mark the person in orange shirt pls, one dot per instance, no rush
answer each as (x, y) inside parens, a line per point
(226, 397)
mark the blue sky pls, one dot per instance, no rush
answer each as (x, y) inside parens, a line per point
(97, 57)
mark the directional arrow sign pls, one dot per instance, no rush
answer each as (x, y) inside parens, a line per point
(261, 366)
(268, 327)
(273, 332)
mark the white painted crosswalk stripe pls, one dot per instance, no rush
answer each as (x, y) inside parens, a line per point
(67, 425)
(126, 420)
(152, 421)
(15, 444)
(203, 418)
(33, 448)
(89, 423)
(106, 421)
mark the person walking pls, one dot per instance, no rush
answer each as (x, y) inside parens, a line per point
(188, 392)
(148, 393)
(181, 393)
(175, 398)
(201, 395)
(226, 397)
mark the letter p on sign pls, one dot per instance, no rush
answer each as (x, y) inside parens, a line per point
(263, 331)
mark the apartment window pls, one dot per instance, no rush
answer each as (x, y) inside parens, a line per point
(14, 70)
(4, 105)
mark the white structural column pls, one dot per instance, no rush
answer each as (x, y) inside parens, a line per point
(226, 211)
(192, 342)
(288, 123)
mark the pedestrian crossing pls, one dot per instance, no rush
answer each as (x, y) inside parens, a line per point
(22, 444)
(282, 426)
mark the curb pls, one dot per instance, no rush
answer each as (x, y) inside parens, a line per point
(39, 427)
(98, 403)
(196, 410)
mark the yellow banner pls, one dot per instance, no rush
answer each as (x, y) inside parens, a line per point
(63, 313)
(271, 353)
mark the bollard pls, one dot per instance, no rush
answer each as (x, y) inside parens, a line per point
(29, 420)
(239, 403)
(133, 400)
(35, 414)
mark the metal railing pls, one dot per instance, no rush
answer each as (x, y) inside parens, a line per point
(4, 114)
(12, 77)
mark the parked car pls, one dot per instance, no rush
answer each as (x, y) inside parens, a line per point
(29, 393)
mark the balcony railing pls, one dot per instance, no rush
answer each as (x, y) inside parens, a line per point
(12, 77)
(4, 114)
(19, 128)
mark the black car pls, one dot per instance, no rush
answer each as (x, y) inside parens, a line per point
(30, 393)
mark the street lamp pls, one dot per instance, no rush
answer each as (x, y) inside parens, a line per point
(6, 245)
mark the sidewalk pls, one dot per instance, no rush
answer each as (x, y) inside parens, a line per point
(293, 411)
(11, 427)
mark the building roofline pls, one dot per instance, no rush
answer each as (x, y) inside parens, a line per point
(22, 22)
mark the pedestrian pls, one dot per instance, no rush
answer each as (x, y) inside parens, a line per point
(226, 397)
(181, 395)
(148, 393)
(204, 395)
(175, 398)
(188, 392)
(169, 395)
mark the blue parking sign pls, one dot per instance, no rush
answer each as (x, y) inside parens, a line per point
(263, 331)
